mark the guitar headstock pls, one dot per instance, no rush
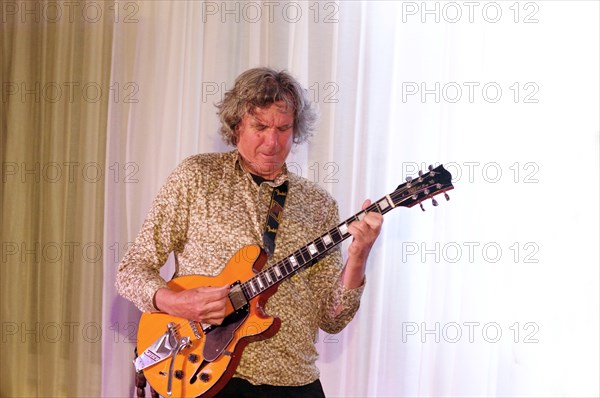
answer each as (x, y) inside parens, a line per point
(426, 185)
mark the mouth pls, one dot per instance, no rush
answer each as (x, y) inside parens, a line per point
(270, 155)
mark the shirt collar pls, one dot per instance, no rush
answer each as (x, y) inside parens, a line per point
(280, 179)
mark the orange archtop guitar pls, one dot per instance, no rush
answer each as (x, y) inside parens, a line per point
(185, 358)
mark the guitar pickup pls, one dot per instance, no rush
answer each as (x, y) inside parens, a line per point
(237, 296)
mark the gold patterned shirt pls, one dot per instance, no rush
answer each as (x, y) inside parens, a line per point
(208, 209)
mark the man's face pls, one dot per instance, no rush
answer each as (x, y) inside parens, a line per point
(265, 139)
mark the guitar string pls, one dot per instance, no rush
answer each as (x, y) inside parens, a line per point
(398, 193)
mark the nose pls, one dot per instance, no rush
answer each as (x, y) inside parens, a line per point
(271, 138)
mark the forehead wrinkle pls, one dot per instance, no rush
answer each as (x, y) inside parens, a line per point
(270, 119)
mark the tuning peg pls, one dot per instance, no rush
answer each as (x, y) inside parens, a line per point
(420, 173)
(408, 179)
(446, 196)
(430, 167)
(421, 204)
(434, 202)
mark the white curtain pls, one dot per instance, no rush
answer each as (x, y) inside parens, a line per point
(494, 293)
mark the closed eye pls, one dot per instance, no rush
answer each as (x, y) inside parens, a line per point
(259, 127)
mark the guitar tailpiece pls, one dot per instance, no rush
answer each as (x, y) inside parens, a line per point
(160, 350)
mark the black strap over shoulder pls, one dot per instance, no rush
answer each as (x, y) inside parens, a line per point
(274, 216)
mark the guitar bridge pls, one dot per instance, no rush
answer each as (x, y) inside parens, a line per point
(237, 296)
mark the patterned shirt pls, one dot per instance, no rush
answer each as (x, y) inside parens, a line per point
(208, 209)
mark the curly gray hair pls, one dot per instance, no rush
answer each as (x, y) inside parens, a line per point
(259, 88)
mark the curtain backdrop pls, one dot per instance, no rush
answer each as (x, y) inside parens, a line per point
(494, 293)
(55, 94)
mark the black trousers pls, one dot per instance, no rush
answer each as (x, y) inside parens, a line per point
(240, 388)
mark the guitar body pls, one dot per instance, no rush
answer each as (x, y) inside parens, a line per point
(207, 364)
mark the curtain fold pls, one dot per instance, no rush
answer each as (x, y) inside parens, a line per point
(385, 76)
(494, 293)
(55, 95)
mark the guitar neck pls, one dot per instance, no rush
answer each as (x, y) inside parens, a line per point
(406, 195)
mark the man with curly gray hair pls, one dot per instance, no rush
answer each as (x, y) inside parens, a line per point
(214, 204)
(258, 88)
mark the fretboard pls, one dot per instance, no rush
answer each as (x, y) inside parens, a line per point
(309, 254)
(406, 195)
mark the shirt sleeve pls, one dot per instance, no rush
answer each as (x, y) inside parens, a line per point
(163, 231)
(338, 304)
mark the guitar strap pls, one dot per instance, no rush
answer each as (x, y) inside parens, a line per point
(274, 216)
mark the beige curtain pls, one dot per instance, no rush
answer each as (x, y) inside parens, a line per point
(55, 93)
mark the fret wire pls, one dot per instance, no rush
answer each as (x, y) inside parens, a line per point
(335, 234)
(267, 275)
(328, 237)
(255, 284)
(306, 254)
(294, 261)
(299, 258)
(319, 242)
(287, 263)
(277, 271)
(262, 281)
(266, 283)
(312, 246)
(301, 255)
(259, 285)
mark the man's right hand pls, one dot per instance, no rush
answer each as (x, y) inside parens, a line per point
(202, 304)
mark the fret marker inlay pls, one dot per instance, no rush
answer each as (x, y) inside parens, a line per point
(344, 229)
(383, 204)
